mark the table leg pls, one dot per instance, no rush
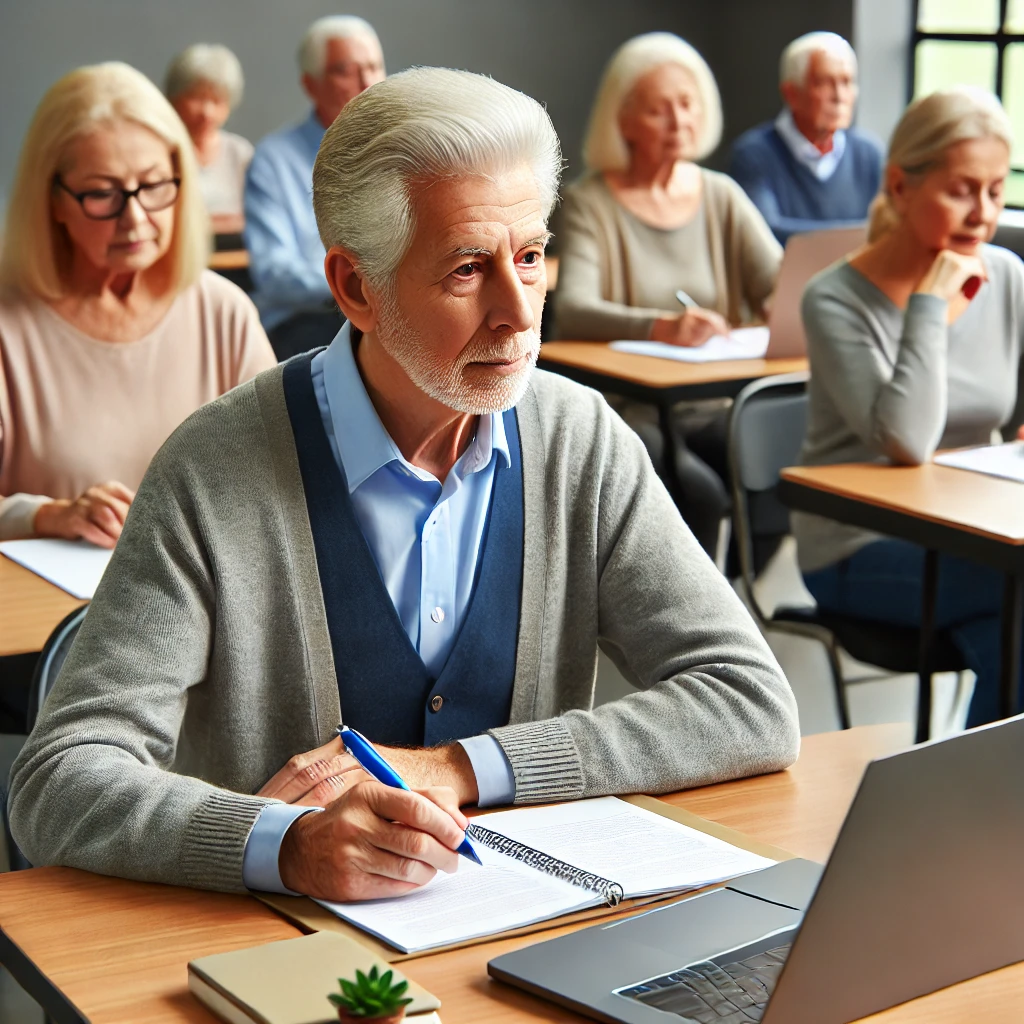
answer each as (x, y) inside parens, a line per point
(929, 589)
(1013, 611)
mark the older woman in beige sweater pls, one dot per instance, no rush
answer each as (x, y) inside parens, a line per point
(111, 329)
(647, 222)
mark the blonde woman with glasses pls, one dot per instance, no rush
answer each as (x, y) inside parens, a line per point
(915, 344)
(111, 329)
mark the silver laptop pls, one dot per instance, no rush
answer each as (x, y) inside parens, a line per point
(804, 257)
(924, 888)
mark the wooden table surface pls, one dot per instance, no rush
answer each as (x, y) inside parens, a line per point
(229, 259)
(118, 950)
(598, 358)
(29, 608)
(972, 502)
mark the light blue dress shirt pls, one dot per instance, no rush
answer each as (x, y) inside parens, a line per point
(286, 256)
(425, 537)
(821, 165)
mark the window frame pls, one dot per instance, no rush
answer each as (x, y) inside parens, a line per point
(1001, 38)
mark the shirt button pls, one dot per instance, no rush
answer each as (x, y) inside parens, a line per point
(438, 616)
(436, 702)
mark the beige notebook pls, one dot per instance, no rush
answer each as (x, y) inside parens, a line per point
(288, 982)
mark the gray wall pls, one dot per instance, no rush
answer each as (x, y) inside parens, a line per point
(552, 49)
(881, 37)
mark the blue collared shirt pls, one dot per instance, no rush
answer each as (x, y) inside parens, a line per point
(425, 537)
(286, 256)
(821, 165)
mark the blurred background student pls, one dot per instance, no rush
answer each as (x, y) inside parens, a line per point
(645, 221)
(204, 84)
(111, 329)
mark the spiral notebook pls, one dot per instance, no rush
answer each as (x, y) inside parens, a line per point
(541, 863)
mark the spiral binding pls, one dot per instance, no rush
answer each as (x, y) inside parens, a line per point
(610, 891)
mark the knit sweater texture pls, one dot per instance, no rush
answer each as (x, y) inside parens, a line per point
(790, 197)
(205, 663)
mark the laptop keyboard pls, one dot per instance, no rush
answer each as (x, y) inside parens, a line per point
(715, 993)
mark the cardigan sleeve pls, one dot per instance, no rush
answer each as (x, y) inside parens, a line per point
(94, 785)
(583, 310)
(758, 255)
(711, 702)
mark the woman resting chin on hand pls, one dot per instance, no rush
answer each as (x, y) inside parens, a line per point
(111, 329)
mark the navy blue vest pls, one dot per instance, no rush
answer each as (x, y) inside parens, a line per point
(385, 689)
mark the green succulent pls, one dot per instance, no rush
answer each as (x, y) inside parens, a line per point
(371, 995)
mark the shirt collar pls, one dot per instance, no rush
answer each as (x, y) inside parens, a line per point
(802, 148)
(364, 444)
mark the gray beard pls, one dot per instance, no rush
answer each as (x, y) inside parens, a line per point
(444, 381)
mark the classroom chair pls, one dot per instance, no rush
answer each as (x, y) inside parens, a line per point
(766, 430)
(48, 667)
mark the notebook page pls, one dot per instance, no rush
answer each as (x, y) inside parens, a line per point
(1002, 460)
(742, 343)
(475, 901)
(642, 851)
(73, 565)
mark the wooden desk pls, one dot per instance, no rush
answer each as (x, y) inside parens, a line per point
(230, 259)
(29, 609)
(117, 950)
(662, 382)
(943, 509)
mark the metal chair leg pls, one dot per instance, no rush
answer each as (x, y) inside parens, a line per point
(842, 706)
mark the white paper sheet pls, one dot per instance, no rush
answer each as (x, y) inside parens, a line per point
(642, 851)
(743, 343)
(1002, 460)
(73, 565)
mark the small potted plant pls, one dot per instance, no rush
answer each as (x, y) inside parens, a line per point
(371, 997)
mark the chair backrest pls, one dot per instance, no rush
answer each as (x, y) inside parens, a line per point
(766, 431)
(51, 660)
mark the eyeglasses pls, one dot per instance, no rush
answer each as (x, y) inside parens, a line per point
(108, 203)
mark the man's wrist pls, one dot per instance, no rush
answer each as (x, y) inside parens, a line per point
(293, 855)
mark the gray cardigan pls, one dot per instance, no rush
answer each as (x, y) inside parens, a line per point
(893, 385)
(204, 662)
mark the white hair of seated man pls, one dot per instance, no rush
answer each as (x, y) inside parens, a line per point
(796, 58)
(604, 148)
(208, 63)
(313, 48)
(421, 125)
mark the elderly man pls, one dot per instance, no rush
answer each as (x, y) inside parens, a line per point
(809, 169)
(413, 532)
(340, 56)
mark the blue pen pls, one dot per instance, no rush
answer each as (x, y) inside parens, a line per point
(373, 764)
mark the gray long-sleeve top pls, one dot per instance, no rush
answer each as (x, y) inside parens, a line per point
(893, 385)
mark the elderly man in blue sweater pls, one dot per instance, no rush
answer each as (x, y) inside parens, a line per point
(808, 169)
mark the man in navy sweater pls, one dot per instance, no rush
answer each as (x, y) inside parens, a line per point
(808, 169)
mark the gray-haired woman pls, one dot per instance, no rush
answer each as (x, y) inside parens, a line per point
(915, 343)
(645, 222)
(204, 84)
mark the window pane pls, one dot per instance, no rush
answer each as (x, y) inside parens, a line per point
(1013, 99)
(1014, 16)
(958, 15)
(1014, 191)
(940, 64)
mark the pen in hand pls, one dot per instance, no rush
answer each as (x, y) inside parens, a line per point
(374, 765)
(685, 300)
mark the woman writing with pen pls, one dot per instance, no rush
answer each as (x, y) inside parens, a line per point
(656, 247)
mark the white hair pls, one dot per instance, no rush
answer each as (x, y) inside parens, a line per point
(205, 62)
(796, 58)
(313, 48)
(421, 125)
(604, 148)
